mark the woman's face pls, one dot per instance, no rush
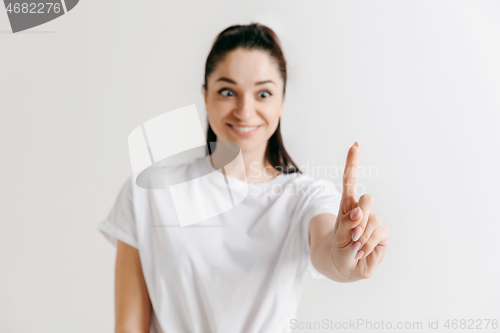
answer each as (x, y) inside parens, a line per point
(244, 99)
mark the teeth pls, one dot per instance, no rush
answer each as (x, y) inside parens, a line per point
(245, 129)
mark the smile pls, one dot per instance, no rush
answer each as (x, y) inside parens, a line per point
(244, 130)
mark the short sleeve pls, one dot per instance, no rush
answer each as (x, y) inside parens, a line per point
(120, 223)
(322, 197)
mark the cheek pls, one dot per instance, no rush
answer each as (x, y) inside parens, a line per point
(214, 121)
(272, 114)
(213, 109)
(217, 113)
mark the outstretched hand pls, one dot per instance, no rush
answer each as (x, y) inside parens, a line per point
(360, 238)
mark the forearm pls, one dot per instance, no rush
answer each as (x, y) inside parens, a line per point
(132, 303)
(125, 329)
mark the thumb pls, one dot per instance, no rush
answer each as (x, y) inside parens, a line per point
(346, 227)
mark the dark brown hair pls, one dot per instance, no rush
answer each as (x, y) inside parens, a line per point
(253, 36)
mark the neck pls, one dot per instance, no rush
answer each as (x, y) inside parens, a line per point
(257, 166)
(258, 169)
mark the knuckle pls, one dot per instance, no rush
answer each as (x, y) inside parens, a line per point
(369, 245)
(377, 233)
(382, 231)
(347, 218)
(363, 240)
(366, 241)
(368, 198)
(367, 274)
(381, 235)
(374, 217)
(377, 222)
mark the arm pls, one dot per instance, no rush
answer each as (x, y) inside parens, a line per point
(132, 303)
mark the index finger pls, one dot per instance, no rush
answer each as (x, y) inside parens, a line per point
(349, 183)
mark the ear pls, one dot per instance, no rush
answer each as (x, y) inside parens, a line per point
(204, 89)
(282, 104)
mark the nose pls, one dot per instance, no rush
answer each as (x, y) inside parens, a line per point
(245, 108)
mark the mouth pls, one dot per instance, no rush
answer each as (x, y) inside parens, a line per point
(244, 131)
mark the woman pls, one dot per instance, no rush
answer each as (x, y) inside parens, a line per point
(245, 277)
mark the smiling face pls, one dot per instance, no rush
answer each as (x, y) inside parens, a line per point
(244, 100)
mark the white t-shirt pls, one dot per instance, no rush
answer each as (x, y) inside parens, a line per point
(243, 277)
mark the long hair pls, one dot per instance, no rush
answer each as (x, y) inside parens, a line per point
(253, 36)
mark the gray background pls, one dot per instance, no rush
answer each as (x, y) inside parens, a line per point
(416, 83)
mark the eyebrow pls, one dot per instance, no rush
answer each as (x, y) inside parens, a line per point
(231, 81)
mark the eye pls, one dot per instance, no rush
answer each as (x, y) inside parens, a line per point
(226, 92)
(264, 94)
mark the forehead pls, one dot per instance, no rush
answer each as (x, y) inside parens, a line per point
(248, 66)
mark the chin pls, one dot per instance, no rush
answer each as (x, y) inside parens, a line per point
(245, 145)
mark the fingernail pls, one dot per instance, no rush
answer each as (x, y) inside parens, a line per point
(355, 214)
(356, 144)
(358, 231)
(359, 254)
(355, 247)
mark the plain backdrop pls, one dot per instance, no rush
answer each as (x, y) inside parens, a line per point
(416, 83)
